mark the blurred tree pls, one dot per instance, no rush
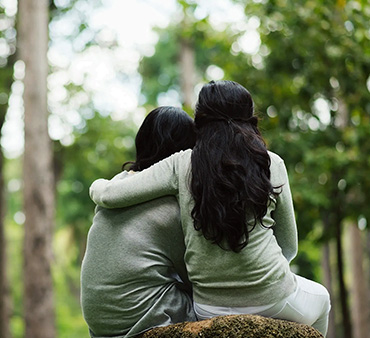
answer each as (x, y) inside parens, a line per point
(186, 57)
(37, 172)
(7, 58)
(360, 313)
(4, 308)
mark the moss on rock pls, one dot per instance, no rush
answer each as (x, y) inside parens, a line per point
(235, 326)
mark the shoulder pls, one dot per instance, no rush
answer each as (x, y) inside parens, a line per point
(176, 162)
(178, 157)
(163, 209)
(183, 164)
(122, 175)
(275, 158)
(182, 155)
(160, 213)
(277, 169)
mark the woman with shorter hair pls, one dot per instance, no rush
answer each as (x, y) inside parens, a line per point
(237, 214)
(133, 275)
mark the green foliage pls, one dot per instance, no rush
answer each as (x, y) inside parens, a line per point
(315, 50)
(98, 151)
(161, 71)
(14, 236)
(66, 280)
(7, 59)
(323, 57)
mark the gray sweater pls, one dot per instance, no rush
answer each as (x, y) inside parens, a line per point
(258, 275)
(128, 280)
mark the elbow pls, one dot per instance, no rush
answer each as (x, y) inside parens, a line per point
(291, 255)
(102, 201)
(98, 193)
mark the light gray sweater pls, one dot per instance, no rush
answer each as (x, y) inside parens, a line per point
(258, 275)
(128, 282)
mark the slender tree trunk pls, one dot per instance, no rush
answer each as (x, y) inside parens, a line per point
(187, 68)
(37, 172)
(341, 122)
(4, 291)
(360, 308)
(342, 287)
(187, 65)
(326, 267)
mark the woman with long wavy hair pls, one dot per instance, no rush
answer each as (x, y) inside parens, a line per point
(237, 214)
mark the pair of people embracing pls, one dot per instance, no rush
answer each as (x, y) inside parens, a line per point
(198, 228)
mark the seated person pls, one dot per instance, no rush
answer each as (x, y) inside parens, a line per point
(133, 275)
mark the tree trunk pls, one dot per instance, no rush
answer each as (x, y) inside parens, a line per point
(37, 172)
(360, 308)
(328, 284)
(342, 287)
(341, 122)
(187, 65)
(4, 291)
(187, 69)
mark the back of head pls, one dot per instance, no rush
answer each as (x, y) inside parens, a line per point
(230, 166)
(224, 100)
(165, 130)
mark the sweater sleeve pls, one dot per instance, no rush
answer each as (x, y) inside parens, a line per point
(285, 228)
(158, 180)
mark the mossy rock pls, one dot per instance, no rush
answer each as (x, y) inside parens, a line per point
(235, 326)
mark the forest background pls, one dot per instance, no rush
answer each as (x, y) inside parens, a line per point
(69, 80)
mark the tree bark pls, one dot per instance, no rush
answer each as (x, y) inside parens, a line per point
(187, 65)
(346, 322)
(37, 172)
(326, 267)
(187, 69)
(341, 122)
(360, 308)
(4, 290)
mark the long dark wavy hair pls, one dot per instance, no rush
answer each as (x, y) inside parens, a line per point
(165, 131)
(230, 181)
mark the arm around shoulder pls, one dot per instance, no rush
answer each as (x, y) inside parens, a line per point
(156, 181)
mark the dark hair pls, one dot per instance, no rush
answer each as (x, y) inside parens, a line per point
(165, 131)
(230, 180)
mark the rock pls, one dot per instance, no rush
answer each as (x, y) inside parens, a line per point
(235, 326)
